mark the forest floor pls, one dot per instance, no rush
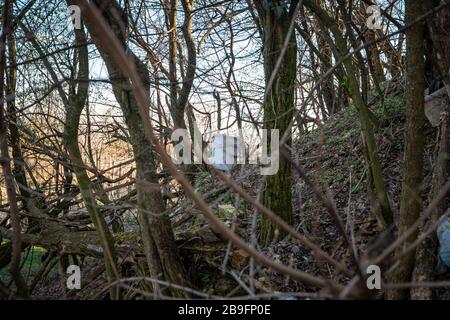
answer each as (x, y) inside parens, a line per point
(333, 157)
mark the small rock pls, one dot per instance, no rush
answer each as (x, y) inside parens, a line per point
(226, 212)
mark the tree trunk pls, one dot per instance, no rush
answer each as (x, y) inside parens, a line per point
(278, 109)
(438, 30)
(427, 250)
(410, 199)
(5, 162)
(157, 235)
(327, 88)
(19, 165)
(373, 52)
(76, 104)
(365, 116)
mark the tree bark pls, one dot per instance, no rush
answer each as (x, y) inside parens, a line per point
(157, 235)
(74, 109)
(278, 108)
(410, 199)
(426, 252)
(5, 162)
(365, 116)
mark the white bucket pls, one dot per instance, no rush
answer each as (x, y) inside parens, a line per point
(224, 152)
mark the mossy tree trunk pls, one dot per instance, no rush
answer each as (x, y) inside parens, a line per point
(278, 106)
(75, 104)
(160, 249)
(365, 116)
(410, 199)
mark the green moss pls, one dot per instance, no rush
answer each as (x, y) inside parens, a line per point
(203, 182)
(226, 212)
(393, 106)
(310, 204)
(331, 177)
(126, 236)
(31, 261)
